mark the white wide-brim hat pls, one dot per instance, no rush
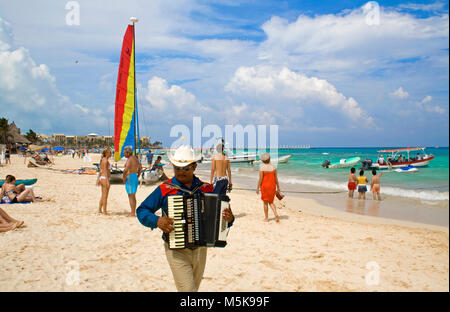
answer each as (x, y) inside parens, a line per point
(184, 156)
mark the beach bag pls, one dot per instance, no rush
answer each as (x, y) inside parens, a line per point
(279, 195)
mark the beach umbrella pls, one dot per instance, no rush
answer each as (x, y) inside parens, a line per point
(58, 148)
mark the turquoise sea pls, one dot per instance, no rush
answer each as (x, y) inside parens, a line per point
(419, 196)
(304, 168)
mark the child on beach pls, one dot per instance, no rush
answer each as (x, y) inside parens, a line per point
(268, 184)
(362, 188)
(375, 185)
(351, 182)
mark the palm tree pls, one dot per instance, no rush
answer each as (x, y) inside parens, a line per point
(32, 136)
(5, 136)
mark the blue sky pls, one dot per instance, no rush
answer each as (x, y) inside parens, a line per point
(328, 73)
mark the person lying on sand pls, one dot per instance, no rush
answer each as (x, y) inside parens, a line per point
(12, 193)
(8, 223)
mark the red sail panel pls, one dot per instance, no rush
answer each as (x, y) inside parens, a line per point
(124, 108)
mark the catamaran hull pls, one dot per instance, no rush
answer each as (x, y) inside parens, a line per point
(235, 159)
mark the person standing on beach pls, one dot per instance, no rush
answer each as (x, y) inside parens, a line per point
(103, 180)
(269, 186)
(375, 184)
(8, 155)
(131, 174)
(187, 264)
(362, 188)
(149, 159)
(351, 182)
(220, 172)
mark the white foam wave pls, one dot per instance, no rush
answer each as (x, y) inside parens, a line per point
(428, 195)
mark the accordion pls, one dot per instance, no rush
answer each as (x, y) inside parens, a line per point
(197, 220)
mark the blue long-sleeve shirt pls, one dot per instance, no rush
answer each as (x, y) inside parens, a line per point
(157, 200)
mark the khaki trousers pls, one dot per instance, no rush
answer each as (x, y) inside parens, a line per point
(187, 267)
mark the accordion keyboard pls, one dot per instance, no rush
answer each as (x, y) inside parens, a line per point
(197, 220)
(177, 236)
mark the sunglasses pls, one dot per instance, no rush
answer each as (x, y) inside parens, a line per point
(187, 168)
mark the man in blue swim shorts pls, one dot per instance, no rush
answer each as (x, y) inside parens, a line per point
(131, 174)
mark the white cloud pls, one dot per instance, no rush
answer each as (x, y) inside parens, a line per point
(284, 84)
(430, 108)
(400, 93)
(427, 99)
(435, 109)
(28, 91)
(82, 108)
(339, 53)
(163, 97)
(436, 6)
(320, 42)
(6, 37)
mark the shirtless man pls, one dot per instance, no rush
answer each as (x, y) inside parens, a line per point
(219, 169)
(351, 182)
(375, 185)
(131, 174)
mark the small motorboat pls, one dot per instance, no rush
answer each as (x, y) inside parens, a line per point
(343, 163)
(408, 161)
(234, 158)
(280, 160)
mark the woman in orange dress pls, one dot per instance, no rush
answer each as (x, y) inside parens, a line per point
(268, 184)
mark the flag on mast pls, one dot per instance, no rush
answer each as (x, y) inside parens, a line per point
(124, 123)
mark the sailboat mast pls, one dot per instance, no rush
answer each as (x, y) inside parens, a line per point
(134, 74)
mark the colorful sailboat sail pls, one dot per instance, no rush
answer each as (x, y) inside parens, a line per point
(125, 115)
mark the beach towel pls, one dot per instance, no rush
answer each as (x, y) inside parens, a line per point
(10, 203)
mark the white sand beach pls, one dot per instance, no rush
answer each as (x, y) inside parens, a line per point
(67, 246)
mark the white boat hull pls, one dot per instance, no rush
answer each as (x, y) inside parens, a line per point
(150, 176)
(281, 160)
(346, 164)
(235, 159)
(417, 163)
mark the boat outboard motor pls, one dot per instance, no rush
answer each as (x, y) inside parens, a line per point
(366, 164)
(326, 163)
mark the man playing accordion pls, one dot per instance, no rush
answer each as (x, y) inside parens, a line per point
(187, 264)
